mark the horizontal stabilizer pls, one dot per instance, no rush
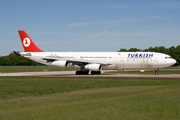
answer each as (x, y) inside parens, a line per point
(16, 53)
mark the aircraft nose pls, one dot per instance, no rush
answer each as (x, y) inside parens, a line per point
(173, 61)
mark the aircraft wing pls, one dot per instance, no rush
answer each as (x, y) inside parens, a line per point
(77, 61)
(87, 61)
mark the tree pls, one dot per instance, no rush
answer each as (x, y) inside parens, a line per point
(13, 60)
(172, 52)
(123, 50)
(162, 49)
(178, 54)
(134, 50)
(130, 50)
(149, 49)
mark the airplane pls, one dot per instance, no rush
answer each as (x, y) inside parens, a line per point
(94, 62)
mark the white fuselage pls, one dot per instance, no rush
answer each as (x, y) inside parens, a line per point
(108, 60)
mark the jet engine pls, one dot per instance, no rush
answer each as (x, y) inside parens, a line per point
(62, 64)
(93, 67)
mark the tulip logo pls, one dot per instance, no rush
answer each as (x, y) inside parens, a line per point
(26, 42)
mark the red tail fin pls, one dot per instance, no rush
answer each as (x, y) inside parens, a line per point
(28, 44)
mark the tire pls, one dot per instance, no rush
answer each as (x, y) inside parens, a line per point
(156, 73)
(95, 72)
(82, 72)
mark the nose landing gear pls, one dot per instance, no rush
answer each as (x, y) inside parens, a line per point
(156, 71)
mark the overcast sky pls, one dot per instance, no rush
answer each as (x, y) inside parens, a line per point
(89, 25)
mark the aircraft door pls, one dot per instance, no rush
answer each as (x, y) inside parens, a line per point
(156, 58)
(122, 58)
(121, 61)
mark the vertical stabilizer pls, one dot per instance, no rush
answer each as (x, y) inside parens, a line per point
(28, 44)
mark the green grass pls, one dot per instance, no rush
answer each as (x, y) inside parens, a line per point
(11, 69)
(89, 98)
(34, 86)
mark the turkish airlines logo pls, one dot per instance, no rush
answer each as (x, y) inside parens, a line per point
(26, 42)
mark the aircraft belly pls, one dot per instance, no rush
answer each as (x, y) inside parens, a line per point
(110, 67)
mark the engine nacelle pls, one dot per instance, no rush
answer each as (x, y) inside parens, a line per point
(62, 64)
(93, 67)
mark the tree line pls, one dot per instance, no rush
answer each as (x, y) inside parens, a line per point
(13, 60)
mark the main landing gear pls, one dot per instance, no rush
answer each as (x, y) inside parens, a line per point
(156, 71)
(95, 72)
(82, 72)
(86, 72)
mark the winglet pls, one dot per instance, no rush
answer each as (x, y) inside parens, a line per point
(28, 44)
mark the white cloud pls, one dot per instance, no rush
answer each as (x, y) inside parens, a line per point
(102, 22)
(153, 17)
(148, 17)
(62, 33)
(170, 5)
(82, 24)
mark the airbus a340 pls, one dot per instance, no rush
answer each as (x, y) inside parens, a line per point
(94, 61)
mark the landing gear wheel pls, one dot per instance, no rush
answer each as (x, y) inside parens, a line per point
(82, 72)
(156, 71)
(95, 72)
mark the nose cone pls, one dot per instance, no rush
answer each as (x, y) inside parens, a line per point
(170, 62)
(173, 61)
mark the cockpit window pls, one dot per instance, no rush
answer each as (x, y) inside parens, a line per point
(168, 57)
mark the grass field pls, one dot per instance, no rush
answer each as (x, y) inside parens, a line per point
(68, 98)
